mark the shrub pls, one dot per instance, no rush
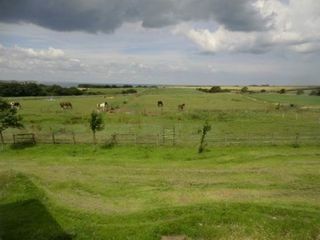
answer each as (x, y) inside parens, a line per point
(110, 143)
(282, 91)
(300, 92)
(315, 92)
(96, 124)
(205, 129)
(129, 91)
(244, 90)
(214, 89)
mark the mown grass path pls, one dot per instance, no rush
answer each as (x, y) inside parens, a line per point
(145, 193)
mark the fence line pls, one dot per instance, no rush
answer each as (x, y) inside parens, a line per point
(165, 137)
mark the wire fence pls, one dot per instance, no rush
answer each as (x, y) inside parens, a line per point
(166, 136)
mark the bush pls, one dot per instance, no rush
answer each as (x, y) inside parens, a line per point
(110, 143)
(282, 91)
(129, 91)
(315, 92)
(205, 129)
(244, 90)
(300, 92)
(214, 89)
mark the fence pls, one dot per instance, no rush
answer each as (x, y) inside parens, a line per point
(167, 136)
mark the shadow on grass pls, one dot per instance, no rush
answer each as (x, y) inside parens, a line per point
(29, 220)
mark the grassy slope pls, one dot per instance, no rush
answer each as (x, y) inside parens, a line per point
(144, 193)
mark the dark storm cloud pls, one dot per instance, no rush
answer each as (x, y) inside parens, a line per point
(108, 15)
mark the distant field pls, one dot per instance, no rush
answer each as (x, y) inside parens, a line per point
(302, 100)
(230, 114)
(146, 193)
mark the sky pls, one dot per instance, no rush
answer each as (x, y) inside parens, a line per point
(194, 42)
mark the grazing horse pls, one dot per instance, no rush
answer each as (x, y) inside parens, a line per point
(65, 105)
(181, 107)
(160, 103)
(15, 105)
(103, 106)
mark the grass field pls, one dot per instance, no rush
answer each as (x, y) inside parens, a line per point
(230, 114)
(85, 191)
(144, 193)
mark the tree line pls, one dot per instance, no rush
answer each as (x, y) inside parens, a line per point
(88, 85)
(23, 89)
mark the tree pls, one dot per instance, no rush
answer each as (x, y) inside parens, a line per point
(215, 89)
(96, 124)
(244, 90)
(8, 118)
(282, 91)
(205, 129)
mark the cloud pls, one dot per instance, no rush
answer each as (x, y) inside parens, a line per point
(108, 15)
(28, 59)
(293, 26)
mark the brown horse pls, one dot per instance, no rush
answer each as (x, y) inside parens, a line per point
(181, 106)
(65, 105)
(160, 103)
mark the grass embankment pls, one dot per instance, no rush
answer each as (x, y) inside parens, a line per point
(145, 193)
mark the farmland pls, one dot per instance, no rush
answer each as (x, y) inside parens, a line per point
(232, 191)
(146, 193)
(231, 115)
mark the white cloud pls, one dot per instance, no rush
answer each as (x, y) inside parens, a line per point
(294, 26)
(28, 59)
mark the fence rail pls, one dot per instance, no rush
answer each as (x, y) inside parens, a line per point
(165, 137)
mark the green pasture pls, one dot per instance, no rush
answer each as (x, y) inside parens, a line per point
(230, 114)
(86, 192)
(302, 100)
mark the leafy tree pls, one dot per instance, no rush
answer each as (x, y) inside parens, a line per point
(244, 90)
(215, 89)
(96, 124)
(205, 129)
(282, 91)
(8, 118)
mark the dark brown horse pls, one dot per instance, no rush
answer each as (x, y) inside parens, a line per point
(65, 105)
(160, 103)
(181, 106)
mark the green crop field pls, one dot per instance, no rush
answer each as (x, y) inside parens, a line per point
(257, 189)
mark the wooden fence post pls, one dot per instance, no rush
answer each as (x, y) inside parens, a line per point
(297, 139)
(73, 138)
(163, 136)
(33, 138)
(53, 138)
(174, 136)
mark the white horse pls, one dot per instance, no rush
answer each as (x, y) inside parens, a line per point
(103, 106)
